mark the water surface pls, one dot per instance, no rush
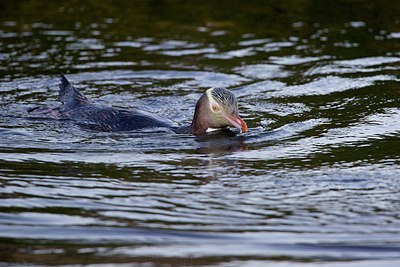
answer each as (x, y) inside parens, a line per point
(314, 182)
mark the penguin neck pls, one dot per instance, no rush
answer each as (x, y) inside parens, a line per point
(201, 120)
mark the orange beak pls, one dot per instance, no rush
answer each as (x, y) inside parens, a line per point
(237, 122)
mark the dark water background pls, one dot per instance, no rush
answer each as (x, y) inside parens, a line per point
(315, 182)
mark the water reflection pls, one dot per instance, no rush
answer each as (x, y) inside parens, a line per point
(221, 142)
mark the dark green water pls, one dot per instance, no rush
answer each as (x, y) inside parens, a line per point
(315, 181)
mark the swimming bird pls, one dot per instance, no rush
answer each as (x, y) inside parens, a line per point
(216, 109)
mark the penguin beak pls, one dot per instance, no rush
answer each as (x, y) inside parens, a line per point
(237, 122)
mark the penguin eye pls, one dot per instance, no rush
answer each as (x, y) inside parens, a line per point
(215, 107)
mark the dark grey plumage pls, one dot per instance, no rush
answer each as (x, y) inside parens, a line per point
(69, 95)
(78, 108)
(225, 98)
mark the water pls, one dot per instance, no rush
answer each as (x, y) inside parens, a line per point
(314, 182)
